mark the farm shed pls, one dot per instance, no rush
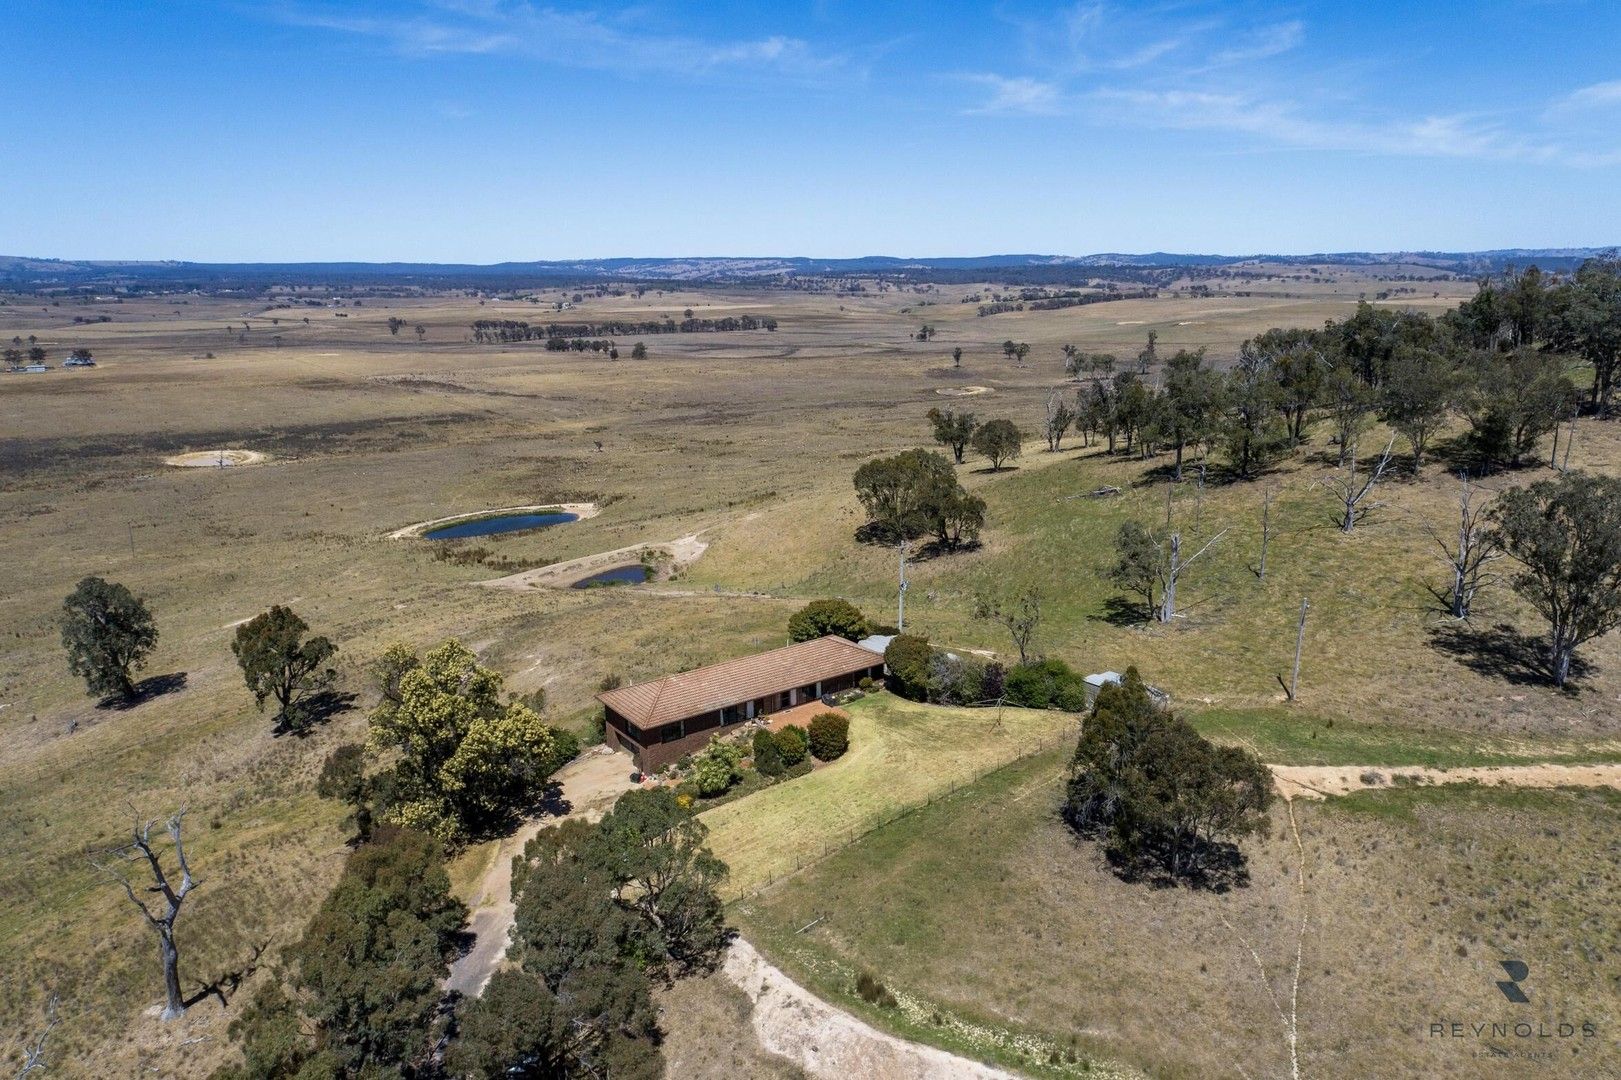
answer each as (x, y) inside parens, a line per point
(664, 720)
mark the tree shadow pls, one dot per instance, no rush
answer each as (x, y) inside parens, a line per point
(227, 983)
(502, 823)
(1502, 652)
(878, 534)
(988, 471)
(145, 690)
(552, 802)
(934, 549)
(1219, 866)
(315, 711)
(1123, 611)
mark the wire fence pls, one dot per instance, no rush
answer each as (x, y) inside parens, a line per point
(842, 838)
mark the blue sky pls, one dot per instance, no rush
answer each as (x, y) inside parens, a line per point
(487, 130)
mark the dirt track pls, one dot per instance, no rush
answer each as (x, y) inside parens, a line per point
(1322, 781)
(829, 1043)
(591, 783)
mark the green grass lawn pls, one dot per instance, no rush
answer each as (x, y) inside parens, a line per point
(902, 754)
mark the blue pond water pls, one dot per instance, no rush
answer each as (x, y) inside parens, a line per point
(490, 526)
(632, 575)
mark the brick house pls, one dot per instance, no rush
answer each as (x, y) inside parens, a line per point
(665, 720)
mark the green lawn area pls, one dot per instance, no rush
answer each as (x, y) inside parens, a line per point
(902, 754)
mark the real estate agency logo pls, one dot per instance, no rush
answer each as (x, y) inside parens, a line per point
(1516, 1036)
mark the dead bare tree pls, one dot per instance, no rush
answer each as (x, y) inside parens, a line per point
(34, 1052)
(1300, 644)
(1472, 553)
(1058, 420)
(1351, 493)
(1021, 617)
(1174, 565)
(162, 922)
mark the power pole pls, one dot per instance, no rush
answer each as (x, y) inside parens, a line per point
(1266, 531)
(1300, 640)
(900, 618)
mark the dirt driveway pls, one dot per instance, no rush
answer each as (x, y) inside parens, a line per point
(591, 783)
(830, 1043)
(1322, 781)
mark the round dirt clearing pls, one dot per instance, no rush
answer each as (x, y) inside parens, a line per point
(962, 391)
(217, 459)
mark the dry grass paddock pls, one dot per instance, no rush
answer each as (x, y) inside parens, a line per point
(748, 439)
(1002, 936)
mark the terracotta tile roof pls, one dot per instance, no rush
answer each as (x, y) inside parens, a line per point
(732, 682)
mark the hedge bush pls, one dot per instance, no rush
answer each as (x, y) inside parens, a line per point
(908, 658)
(829, 736)
(792, 743)
(1046, 684)
(717, 767)
(768, 757)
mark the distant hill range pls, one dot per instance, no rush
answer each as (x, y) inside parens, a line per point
(36, 273)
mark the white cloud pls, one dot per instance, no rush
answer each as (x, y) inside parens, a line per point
(576, 39)
(1597, 95)
(1281, 121)
(1268, 42)
(1016, 95)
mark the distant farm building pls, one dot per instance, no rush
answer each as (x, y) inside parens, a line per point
(665, 720)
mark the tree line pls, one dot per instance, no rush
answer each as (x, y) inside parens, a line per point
(1501, 361)
(491, 331)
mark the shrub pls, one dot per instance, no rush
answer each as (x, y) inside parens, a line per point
(793, 743)
(767, 754)
(829, 736)
(874, 992)
(717, 767)
(907, 658)
(820, 618)
(1046, 684)
(954, 680)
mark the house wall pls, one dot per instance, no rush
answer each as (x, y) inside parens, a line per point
(655, 748)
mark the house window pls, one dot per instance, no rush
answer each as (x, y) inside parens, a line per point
(673, 732)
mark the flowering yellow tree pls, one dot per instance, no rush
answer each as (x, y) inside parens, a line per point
(468, 762)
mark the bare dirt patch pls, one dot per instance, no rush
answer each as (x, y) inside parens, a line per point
(827, 1042)
(579, 510)
(683, 552)
(218, 459)
(963, 391)
(1323, 781)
